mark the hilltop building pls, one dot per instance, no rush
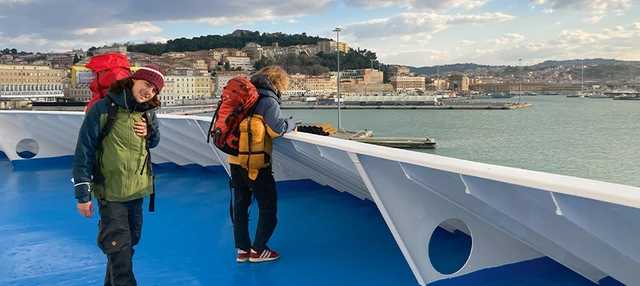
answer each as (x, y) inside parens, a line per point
(111, 49)
(331, 46)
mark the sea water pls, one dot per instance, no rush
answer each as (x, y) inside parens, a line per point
(590, 138)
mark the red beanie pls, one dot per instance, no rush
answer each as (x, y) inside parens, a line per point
(151, 73)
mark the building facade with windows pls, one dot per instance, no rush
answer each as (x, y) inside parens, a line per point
(331, 46)
(22, 83)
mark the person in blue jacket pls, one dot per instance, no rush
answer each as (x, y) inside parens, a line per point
(270, 82)
(116, 169)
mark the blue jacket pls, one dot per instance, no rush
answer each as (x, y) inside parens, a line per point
(269, 106)
(120, 158)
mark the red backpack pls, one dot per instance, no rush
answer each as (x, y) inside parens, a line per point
(238, 98)
(107, 68)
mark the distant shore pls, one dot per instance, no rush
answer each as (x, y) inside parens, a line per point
(459, 105)
(446, 106)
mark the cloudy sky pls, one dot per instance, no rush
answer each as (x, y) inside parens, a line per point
(408, 32)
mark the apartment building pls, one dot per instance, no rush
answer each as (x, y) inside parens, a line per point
(321, 84)
(217, 53)
(370, 76)
(200, 65)
(254, 51)
(297, 85)
(399, 70)
(361, 76)
(331, 46)
(111, 49)
(238, 62)
(29, 83)
(174, 55)
(221, 78)
(405, 83)
(60, 60)
(186, 88)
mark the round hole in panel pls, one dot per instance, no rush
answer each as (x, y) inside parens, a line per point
(27, 148)
(450, 246)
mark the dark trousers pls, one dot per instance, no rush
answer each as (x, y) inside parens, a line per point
(264, 190)
(119, 230)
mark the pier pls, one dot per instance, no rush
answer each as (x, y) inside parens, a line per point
(366, 136)
(449, 105)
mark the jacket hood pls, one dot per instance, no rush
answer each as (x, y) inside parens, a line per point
(261, 81)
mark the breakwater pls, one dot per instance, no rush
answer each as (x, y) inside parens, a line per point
(472, 105)
(469, 105)
(187, 109)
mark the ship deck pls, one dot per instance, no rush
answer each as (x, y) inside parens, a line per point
(325, 237)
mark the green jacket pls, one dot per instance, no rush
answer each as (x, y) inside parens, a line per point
(122, 156)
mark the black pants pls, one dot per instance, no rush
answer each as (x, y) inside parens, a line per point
(119, 230)
(264, 190)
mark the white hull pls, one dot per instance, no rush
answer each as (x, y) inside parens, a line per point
(513, 215)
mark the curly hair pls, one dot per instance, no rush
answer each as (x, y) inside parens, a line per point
(127, 83)
(277, 75)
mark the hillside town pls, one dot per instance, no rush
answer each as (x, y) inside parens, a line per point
(194, 78)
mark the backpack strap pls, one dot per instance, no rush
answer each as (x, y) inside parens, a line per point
(147, 162)
(111, 119)
(112, 116)
(213, 120)
(231, 199)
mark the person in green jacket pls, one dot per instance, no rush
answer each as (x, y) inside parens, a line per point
(116, 169)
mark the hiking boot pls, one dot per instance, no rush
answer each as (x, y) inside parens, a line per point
(243, 255)
(266, 255)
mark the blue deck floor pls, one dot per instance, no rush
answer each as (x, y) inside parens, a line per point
(325, 237)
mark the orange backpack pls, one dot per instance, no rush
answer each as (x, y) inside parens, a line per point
(238, 99)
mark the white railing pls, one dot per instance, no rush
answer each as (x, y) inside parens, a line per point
(512, 215)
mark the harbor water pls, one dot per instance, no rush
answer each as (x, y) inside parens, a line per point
(590, 138)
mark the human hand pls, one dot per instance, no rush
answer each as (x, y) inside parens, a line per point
(86, 209)
(140, 127)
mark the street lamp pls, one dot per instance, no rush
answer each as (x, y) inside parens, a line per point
(337, 30)
(371, 77)
(520, 88)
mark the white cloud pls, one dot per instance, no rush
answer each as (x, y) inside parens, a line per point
(466, 43)
(436, 5)
(506, 39)
(14, 1)
(593, 20)
(479, 19)
(594, 6)
(27, 40)
(122, 30)
(418, 24)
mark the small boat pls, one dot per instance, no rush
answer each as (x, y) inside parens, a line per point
(576, 95)
(501, 95)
